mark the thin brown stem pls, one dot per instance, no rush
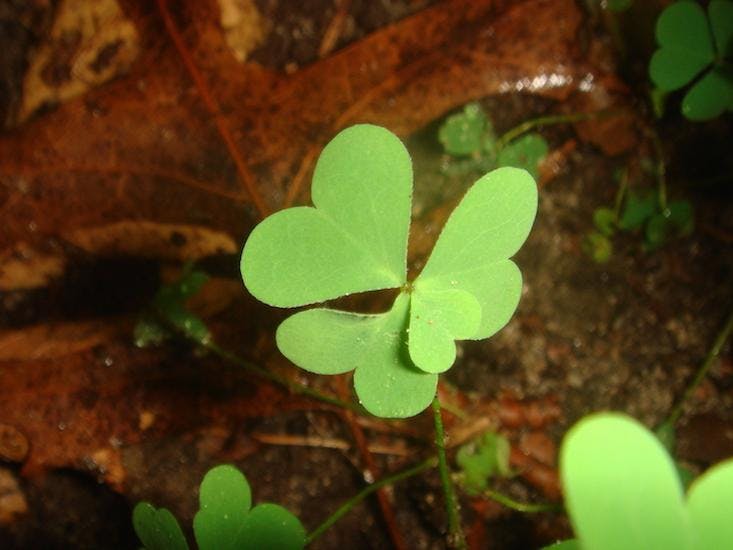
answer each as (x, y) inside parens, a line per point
(371, 471)
(211, 105)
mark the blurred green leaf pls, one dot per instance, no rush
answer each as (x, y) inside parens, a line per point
(525, 152)
(667, 435)
(656, 231)
(169, 310)
(598, 247)
(685, 46)
(483, 458)
(462, 134)
(682, 215)
(157, 528)
(617, 5)
(149, 332)
(605, 221)
(638, 208)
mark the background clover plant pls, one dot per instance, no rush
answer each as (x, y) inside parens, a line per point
(622, 490)
(225, 520)
(638, 210)
(354, 239)
(483, 458)
(470, 133)
(693, 43)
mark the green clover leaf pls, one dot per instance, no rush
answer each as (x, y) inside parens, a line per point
(325, 341)
(689, 43)
(157, 529)
(355, 240)
(225, 521)
(598, 246)
(524, 152)
(638, 208)
(622, 490)
(169, 306)
(605, 221)
(485, 457)
(463, 134)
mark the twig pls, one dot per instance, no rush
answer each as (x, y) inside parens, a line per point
(334, 28)
(305, 166)
(213, 108)
(371, 472)
(364, 493)
(713, 353)
(288, 440)
(456, 538)
(134, 170)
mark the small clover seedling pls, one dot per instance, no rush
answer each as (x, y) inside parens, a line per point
(641, 211)
(470, 133)
(168, 310)
(225, 520)
(355, 240)
(482, 459)
(622, 491)
(465, 133)
(690, 43)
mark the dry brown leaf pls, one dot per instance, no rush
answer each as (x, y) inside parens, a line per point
(89, 44)
(154, 147)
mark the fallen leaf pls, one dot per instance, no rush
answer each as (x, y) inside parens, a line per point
(157, 147)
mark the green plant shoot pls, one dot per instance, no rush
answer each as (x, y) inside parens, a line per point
(470, 133)
(481, 459)
(354, 239)
(622, 491)
(225, 520)
(692, 43)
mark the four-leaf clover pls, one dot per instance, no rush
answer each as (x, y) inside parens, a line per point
(354, 239)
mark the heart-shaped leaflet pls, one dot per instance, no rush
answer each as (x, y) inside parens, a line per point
(471, 257)
(355, 240)
(622, 491)
(227, 521)
(689, 42)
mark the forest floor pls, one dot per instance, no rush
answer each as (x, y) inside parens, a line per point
(108, 186)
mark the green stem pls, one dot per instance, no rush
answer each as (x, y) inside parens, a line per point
(713, 353)
(548, 120)
(456, 538)
(295, 387)
(353, 501)
(661, 171)
(520, 506)
(620, 194)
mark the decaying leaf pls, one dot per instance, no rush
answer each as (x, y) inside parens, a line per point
(89, 44)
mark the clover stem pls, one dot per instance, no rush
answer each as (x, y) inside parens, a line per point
(620, 194)
(279, 380)
(520, 506)
(661, 171)
(548, 120)
(456, 538)
(712, 354)
(364, 493)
